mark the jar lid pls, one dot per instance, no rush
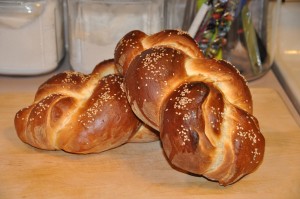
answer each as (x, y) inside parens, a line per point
(16, 14)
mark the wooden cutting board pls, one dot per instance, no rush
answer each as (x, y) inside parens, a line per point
(140, 170)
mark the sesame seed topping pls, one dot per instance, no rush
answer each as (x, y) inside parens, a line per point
(104, 98)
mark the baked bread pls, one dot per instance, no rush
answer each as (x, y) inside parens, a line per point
(81, 113)
(201, 107)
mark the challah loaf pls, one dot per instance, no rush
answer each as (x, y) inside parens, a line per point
(81, 113)
(201, 107)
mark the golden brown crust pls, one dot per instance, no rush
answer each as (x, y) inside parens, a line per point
(134, 42)
(201, 107)
(80, 113)
(131, 45)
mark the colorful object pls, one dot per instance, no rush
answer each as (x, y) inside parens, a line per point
(211, 34)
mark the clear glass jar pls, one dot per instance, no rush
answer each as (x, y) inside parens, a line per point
(241, 32)
(95, 27)
(180, 13)
(31, 36)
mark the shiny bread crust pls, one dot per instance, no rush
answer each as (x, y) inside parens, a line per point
(201, 107)
(81, 113)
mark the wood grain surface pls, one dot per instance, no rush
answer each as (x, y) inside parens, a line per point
(138, 170)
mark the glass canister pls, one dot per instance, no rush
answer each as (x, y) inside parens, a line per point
(180, 13)
(242, 32)
(95, 27)
(31, 36)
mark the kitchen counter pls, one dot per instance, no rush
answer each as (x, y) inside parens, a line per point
(287, 68)
(137, 170)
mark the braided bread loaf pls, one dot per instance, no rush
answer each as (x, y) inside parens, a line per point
(201, 107)
(81, 113)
